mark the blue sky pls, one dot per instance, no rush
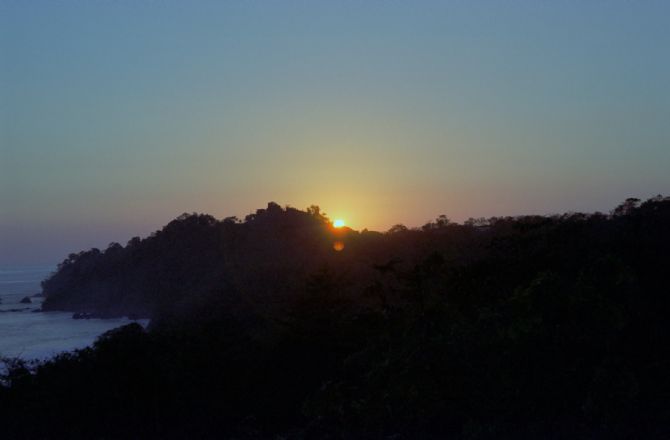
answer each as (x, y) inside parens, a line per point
(116, 117)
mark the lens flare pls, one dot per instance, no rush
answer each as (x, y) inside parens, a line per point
(338, 246)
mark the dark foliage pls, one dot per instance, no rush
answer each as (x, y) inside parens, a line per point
(525, 327)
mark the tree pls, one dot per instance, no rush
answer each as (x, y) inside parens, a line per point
(395, 229)
(315, 211)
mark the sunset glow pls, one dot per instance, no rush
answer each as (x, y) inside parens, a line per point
(379, 112)
(334, 219)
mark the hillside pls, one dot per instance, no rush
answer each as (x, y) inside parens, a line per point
(519, 327)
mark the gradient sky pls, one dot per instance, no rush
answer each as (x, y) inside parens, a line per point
(117, 116)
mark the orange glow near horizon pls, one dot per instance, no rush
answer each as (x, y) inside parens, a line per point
(338, 223)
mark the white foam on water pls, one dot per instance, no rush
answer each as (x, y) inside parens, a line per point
(40, 335)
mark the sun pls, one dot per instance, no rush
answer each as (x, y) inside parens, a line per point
(338, 223)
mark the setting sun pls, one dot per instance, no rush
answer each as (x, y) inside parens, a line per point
(338, 223)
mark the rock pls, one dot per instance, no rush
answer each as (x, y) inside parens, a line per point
(26, 300)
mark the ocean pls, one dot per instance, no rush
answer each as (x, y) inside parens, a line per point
(30, 335)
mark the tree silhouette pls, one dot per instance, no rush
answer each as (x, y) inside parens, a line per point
(507, 327)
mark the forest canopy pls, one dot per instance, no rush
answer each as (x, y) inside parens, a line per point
(508, 327)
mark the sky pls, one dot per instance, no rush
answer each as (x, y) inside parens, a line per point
(117, 116)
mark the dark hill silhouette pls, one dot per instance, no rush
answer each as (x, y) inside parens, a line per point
(518, 327)
(194, 255)
(262, 259)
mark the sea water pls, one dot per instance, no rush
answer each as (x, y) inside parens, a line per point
(30, 334)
